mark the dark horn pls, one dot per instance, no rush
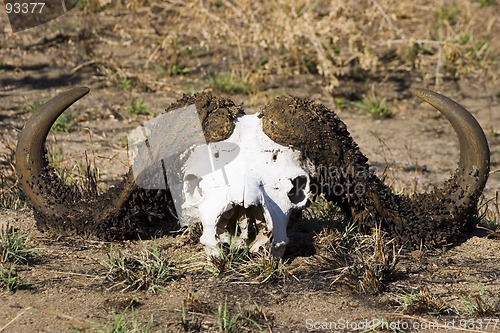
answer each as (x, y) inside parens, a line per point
(123, 212)
(437, 218)
(62, 208)
(30, 155)
(474, 150)
(345, 177)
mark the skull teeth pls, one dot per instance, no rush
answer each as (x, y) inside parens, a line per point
(243, 227)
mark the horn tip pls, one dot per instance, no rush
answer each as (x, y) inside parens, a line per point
(82, 90)
(424, 93)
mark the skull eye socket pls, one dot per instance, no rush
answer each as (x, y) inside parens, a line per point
(297, 194)
(194, 194)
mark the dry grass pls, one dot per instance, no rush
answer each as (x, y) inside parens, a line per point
(13, 252)
(238, 264)
(489, 216)
(421, 301)
(256, 40)
(10, 195)
(365, 262)
(82, 175)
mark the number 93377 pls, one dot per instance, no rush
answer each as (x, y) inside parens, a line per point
(24, 7)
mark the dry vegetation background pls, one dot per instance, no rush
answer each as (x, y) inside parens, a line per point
(353, 56)
(263, 45)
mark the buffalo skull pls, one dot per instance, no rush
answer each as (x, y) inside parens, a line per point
(246, 175)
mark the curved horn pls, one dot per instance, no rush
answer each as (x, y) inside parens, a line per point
(62, 208)
(474, 150)
(30, 155)
(345, 177)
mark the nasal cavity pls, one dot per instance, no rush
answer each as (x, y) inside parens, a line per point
(298, 192)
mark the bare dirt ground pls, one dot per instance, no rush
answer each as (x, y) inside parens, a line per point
(332, 52)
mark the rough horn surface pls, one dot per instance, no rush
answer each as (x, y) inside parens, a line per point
(344, 175)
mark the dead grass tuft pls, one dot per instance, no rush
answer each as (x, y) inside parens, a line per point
(422, 301)
(83, 177)
(488, 216)
(238, 264)
(366, 262)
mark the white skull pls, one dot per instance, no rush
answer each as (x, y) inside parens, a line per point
(244, 189)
